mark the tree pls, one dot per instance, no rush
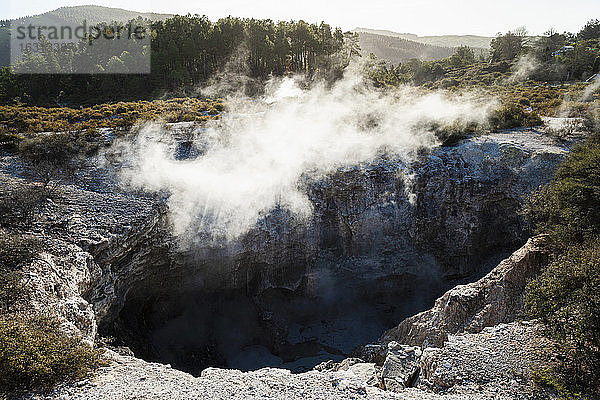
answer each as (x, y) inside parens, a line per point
(547, 44)
(591, 30)
(463, 56)
(509, 45)
(51, 157)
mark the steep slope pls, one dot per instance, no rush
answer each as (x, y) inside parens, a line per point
(398, 50)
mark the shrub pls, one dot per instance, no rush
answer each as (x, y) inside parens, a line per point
(50, 156)
(8, 139)
(569, 207)
(35, 355)
(19, 207)
(566, 298)
(513, 115)
(451, 134)
(19, 119)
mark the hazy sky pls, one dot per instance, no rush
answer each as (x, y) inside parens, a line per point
(424, 17)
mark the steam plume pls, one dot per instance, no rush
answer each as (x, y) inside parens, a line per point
(255, 158)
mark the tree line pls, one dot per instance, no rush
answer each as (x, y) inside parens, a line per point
(552, 56)
(185, 52)
(560, 56)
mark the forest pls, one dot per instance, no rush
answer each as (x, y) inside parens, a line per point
(185, 52)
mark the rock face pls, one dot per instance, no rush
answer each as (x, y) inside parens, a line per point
(383, 241)
(381, 244)
(57, 280)
(494, 299)
(96, 243)
(495, 363)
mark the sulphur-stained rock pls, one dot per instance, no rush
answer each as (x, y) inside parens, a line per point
(496, 298)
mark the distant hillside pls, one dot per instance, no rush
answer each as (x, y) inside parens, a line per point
(398, 50)
(92, 15)
(477, 42)
(71, 16)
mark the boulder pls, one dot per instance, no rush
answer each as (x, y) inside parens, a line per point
(401, 367)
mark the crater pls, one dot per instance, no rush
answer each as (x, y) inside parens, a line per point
(191, 326)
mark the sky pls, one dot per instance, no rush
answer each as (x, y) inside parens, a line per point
(422, 17)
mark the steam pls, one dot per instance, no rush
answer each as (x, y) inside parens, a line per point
(256, 158)
(523, 69)
(591, 89)
(567, 104)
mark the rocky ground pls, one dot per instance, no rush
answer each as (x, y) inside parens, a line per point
(490, 365)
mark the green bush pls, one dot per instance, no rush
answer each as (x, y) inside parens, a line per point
(35, 355)
(569, 208)
(513, 115)
(566, 295)
(566, 298)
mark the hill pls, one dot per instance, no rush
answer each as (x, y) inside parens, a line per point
(92, 15)
(397, 50)
(474, 41)
(70, 16)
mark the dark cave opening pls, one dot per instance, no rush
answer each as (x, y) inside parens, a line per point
(193, 328)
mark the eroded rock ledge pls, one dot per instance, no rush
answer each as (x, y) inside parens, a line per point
(496, 298)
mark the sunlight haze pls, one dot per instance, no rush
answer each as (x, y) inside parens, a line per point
(424, 17)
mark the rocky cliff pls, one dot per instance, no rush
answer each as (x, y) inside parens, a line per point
(495, 363)
(496, 298)
(385, 239)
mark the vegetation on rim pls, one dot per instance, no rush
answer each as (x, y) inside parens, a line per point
(36, 355)
(566, 295)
